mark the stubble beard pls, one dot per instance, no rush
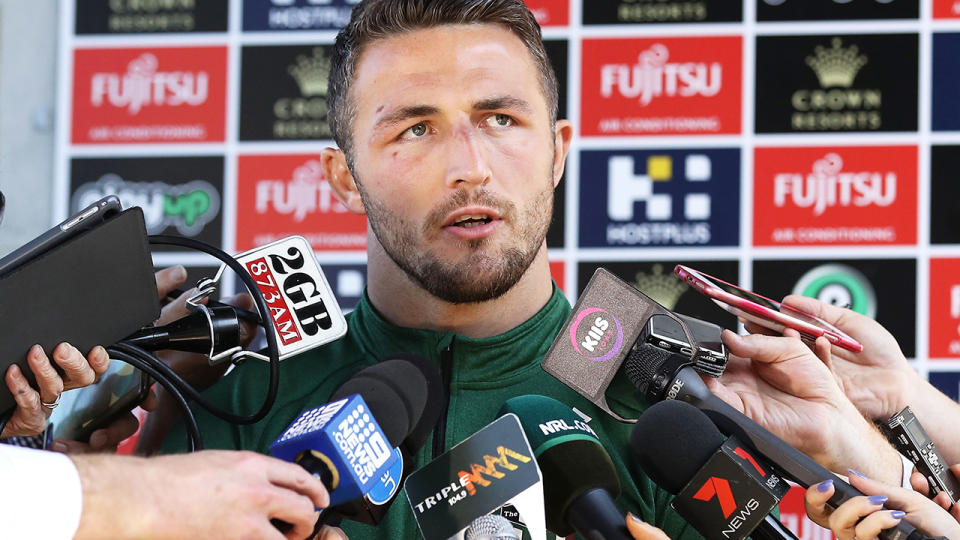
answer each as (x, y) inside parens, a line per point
(485, 273)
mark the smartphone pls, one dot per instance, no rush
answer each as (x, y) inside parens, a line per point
(762, 310)
(83, 220)
(85, 410)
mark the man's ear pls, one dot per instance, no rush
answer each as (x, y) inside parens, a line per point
(334, 164)
(562, 134)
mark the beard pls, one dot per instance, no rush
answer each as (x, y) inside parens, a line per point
(488, 270)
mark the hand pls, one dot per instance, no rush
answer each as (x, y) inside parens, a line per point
(787, 389)
(30, 415)
(864, 517)
(919, 483)
(210, 494)
(878, 380)
(641, 530)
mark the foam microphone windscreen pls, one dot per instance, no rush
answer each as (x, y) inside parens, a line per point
(396, 393)
(435, 396)
(671, 441)
(570, 456)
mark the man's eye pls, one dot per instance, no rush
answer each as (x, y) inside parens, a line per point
(499, 120)
(414, 131)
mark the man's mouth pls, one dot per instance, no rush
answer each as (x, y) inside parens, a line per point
(471, 220)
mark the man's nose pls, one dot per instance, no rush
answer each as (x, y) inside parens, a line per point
(468, 163)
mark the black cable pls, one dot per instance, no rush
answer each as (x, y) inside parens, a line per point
(272, 346)
(194, 439)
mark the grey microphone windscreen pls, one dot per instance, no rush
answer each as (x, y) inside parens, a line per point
(491, 527)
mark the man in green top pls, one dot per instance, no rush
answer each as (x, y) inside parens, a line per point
(445, 116)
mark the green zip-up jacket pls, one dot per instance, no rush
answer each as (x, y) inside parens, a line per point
(483, 373)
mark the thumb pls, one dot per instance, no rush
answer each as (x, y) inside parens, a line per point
(640, 530)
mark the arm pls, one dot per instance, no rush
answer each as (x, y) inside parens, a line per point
(783, 386)
(210, 494)
(880, 381)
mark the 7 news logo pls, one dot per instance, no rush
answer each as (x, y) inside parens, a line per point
(660, 198)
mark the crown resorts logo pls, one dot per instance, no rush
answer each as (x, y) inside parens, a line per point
(596, 334)
(653, 76)
(664, 289)
(828, 186)
(305, 116)
(306, 193)
(143, 86)
(836, 105)
(659, 225)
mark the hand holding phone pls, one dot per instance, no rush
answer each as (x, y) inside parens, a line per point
(762, 310)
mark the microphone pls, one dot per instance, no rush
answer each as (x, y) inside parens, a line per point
(491, 527)
(197, 332)
(373, 506)
(493, 467)
(721, 489)
(348, 442)
(663, 375)
(579, 480)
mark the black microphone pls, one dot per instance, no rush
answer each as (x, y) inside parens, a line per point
(695, 454)
(579, 480)
(372, 508)
(662, 375)
(210, 332)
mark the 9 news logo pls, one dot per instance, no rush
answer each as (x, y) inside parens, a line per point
(596, 334)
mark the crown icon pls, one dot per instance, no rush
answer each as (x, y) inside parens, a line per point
(836, 66)
(663, 289)
(311, 73)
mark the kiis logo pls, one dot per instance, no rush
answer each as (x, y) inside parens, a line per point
(652, 76)
(142, 85)
(596, 334)
(188, 207)
(482, 475)
(828, 186)
(306, 193)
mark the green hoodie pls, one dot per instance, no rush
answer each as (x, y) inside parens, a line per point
(482, 374)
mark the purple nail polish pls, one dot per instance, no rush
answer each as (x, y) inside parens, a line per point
(877, 499)
(860, 474)
(824, 486)
(897, 514)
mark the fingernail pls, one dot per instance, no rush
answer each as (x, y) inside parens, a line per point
(860, 474)
(98, 438)
(822, 487)
(179, 272)
(58, 446)
(897, 514)
(634, 518)
(877, 499)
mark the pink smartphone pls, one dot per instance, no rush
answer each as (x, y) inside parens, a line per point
(764, 311)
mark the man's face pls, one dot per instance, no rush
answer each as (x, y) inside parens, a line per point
(455, 157)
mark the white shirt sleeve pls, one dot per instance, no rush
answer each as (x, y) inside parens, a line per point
(907, 472)
(40, 494)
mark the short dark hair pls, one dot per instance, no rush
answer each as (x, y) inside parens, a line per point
(378, 19)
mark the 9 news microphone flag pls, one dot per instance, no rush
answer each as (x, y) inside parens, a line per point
(493, 467)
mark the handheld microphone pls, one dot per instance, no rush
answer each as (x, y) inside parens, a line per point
(722, 490)
(663, 375)
(491, 527)
(579, 480)
(196, 332)
(373, 506)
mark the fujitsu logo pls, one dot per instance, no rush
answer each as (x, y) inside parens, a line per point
(142, 85)
(652, 76)
(307, 192)
(828, 185)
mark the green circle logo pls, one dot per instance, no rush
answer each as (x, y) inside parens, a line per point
(840, 285)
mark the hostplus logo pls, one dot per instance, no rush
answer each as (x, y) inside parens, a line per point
(596, 334)
(654, 76)
(627, 188)
(188, 207)
(828, 185)
(143, 85)
(307, 192)
(836, 105)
